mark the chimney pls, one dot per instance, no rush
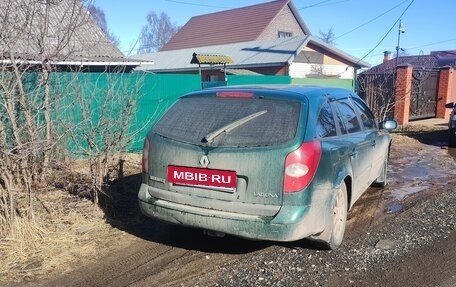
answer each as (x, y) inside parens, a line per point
(386, 56)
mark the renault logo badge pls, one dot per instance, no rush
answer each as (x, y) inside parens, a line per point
(204, 161)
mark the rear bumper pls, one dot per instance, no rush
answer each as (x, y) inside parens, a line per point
(289, 224)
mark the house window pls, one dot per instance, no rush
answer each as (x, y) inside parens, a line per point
(212, 78)
(283, 34)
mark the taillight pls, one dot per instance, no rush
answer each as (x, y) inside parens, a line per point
(145, 157)
(301, 165)
(245, 95)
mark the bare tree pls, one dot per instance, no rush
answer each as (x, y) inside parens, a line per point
(100, 17)
(37, 111)
(30, 40)
(156, 33)
(99, 125)
(328, 37)
(378, 91)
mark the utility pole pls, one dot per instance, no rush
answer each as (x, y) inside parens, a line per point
(401, 30)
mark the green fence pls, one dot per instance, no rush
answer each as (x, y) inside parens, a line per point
(82, 100)
(109, 94)
(243, 80)
(159, 92)
(154, 94)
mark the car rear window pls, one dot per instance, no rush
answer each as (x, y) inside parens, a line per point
(196, 120)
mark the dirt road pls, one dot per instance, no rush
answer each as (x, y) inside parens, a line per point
(403, 235)
(430, 265)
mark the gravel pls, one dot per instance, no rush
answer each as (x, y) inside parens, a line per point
(300, 266)
(415, 225)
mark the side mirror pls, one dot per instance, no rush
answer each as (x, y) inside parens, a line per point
(449, 105)
(389, 125)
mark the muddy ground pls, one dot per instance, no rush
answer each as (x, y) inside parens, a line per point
(402, 235)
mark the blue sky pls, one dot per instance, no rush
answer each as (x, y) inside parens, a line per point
(359, 25)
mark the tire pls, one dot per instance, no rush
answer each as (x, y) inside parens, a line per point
(339, 218)
(333, 235)
(452, 137)
(382, 179)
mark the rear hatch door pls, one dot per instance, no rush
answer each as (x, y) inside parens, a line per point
(224, 153)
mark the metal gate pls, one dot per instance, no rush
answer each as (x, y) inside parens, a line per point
(423, 98)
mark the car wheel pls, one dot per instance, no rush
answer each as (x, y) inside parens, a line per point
(452, 137)
(382, 179)
(339, 218)
(332, 237)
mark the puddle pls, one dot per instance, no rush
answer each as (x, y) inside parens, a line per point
(401, 193)
(405, 159)
(415, 170)
(396, 197)
(411, 175)
(422, 172)
(394, 208)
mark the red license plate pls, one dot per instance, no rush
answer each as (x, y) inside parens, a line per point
(213, 178)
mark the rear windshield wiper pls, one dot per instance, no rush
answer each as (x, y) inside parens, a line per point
(231, 126)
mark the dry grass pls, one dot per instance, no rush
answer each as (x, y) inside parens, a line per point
(66, 232)
(71, 232)
(404, 139)
(413, 135)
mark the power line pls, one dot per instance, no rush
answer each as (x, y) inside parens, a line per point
(370, 21)
(196, 4)
(389, 31)
(431, 44)
(314, 5)
(416, 47)
(333, 3)
(420, 46)
(322, 3)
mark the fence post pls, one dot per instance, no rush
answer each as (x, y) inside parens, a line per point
(403, 90)
(444, 93)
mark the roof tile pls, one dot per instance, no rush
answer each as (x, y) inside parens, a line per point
(230, 26)
(422, 61)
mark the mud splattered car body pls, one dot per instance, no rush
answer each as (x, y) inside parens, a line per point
(263, 162)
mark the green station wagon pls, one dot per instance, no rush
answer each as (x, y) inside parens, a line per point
(270, 162)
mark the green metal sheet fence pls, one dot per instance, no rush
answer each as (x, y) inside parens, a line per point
(247, 79)
(154, 94)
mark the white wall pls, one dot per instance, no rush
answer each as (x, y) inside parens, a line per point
(305, 70)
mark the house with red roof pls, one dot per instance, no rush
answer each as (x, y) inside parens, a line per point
(265, 39)
(265, 21)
